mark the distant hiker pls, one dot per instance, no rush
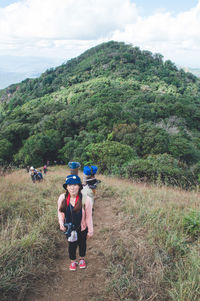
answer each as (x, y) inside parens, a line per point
(75, 219)
(74, 167)
(90, 182)
(27, 169)
(45, 169)
(39, 176)
(33, 173)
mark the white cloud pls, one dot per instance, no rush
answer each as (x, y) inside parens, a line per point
(65, 19)
(176, 37)
(66, 28)
(32, 27)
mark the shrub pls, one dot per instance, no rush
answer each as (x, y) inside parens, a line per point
(162, 167)
(110, 155)
(191, 223)
(39, 148)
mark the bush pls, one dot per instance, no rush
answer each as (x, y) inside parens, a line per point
(191, 223)
(162, 167)
(109, 156)
(39, 148)
(5, 151)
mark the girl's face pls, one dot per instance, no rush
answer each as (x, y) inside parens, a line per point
(73, 189)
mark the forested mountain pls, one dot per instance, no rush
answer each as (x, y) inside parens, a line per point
(116, 106)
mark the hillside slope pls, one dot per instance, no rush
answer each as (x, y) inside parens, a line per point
(142, 113)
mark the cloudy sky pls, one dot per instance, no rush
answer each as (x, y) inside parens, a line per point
(62, 29)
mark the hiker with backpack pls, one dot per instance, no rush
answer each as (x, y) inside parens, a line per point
(33, 173)
(75, 219)
(74, 167)
(90, 182)
(39, 176)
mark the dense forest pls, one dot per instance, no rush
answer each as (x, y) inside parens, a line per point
(126, 110)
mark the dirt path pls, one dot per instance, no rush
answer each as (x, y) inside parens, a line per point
(88, 284)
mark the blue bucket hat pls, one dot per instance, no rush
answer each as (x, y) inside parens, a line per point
(72, 180)
(74, 165)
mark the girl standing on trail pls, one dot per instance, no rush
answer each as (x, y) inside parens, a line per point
(75, 219)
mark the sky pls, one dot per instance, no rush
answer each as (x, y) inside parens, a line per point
(60, 30)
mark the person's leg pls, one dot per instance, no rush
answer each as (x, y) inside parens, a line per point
(82, 243)
(72, 246)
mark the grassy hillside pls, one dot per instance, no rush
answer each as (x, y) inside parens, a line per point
(152, 248)
(118, 107)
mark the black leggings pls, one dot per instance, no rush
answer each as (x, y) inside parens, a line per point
(81, 242)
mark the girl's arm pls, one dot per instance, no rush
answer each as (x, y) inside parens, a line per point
(61, 215)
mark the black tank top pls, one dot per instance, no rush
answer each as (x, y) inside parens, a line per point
(73, 217)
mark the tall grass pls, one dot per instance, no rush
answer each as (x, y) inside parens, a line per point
(168, 247)
(28, 230)
(151, 249)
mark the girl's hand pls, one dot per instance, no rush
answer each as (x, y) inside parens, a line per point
(89, 236)
(62, 228)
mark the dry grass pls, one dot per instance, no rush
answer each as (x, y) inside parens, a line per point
(153, 257)
(29, 231)
(150, 253)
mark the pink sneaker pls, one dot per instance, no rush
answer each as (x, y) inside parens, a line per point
(82, 264)
(72, 266)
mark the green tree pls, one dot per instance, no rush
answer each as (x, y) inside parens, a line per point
(75, 148)
(6, 151)
(151, 139)
(183, 149)
(162, 168)
(109, 155)
(39, 148)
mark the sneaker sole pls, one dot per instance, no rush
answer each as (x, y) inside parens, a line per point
(82, 267)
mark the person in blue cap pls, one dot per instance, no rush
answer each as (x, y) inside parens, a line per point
(90, 182)
(89, 172)
(74, 167)
(72, 211)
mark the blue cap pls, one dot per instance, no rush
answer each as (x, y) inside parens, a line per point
(94, 169)
(72, 180)
(88, 171)
(74, 165)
